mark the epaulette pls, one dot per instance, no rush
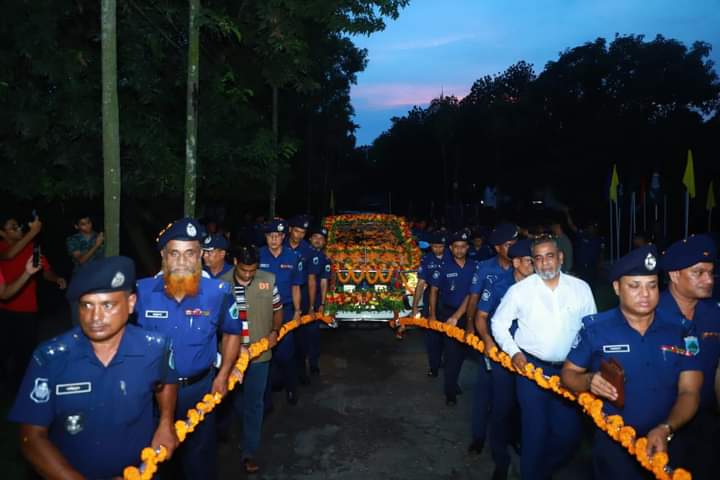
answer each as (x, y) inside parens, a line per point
(56, 348)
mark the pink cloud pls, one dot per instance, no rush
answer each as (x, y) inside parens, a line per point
(385, 95)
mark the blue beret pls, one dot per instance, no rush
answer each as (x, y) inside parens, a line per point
(111, 274)
(460, 236)
(686, 253)
(318, 231)
(184, 229)
(503, 233)
(276, 225)
(300, 221)
(437, 238)
(641, 261)
(521, 248)
(215, 242)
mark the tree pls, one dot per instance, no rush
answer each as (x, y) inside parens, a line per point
(193, 77)
(111, 128)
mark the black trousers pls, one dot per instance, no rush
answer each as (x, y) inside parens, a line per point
(16, 346)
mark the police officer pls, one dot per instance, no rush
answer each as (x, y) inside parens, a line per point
(214, 253)
(192, 310)
(662, 384)
(479, 250)
(279, 259)
(318, 268)
(494, 398)
(690, 265)
(449, 289)
(429, 264)
(492, 269)
(295, 241)
(86, 403)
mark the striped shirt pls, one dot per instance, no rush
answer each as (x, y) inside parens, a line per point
(242, 307)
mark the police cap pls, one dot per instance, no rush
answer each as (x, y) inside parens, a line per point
(460, 236)
(639, 262)
(276, 225)
(521, 248)
(503, 233)
(111, 274)
(300, 221)
(687, 252)
(184, 229)
(438, 237)
(317, 230)
(215, 242)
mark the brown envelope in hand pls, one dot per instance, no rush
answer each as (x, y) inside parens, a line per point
(613, 372)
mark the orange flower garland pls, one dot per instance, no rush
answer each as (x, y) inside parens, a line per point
(151, 457)
(613, 425)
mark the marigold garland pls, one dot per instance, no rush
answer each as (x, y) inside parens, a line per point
(613, 425)
(151, 457)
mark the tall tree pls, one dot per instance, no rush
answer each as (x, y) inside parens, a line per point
(110, 127)
(193, 77)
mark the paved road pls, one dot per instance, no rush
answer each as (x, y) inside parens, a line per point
(373, 414)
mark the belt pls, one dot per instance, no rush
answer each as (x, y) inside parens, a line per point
(540, 362)
(193, 379)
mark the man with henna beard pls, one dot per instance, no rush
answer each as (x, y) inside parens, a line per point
(181, 303)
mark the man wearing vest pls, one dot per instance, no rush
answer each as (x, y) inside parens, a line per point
(259, 307)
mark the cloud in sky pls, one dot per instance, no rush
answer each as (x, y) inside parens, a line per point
(378, 96)
(448, 45)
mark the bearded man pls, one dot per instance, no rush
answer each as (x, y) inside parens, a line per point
(549, 307)
(190, 309)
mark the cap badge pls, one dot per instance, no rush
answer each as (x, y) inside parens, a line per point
(464, 236)
(706, 254)
(650, 262)
(118, 280)
(191, 230)
(207, 240)
(280, 227)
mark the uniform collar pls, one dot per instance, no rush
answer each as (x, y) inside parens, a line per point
(130, 346)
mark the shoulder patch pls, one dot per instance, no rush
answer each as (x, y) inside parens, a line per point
(41, 391)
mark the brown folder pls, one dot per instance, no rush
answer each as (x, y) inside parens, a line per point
(613, 372)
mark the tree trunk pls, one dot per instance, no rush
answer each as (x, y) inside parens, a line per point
(190, 205)
(276, 158)
(111, 127)
(309, 150)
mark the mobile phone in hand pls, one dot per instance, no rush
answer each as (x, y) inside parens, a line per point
(36, 256)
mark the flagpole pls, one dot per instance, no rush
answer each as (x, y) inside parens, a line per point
(687, 212)
(710, 220)
(612, 237)
(617, 227)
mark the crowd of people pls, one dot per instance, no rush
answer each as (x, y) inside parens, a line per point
(142, 352)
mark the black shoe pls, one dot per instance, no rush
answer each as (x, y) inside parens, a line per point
(292, 397)
(476, 447)
(432, 372)
(450, 400)
(314, 371)
(500, 473)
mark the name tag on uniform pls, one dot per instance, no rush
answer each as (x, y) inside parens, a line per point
(156, 314)
(286, 265)
(616, 348)
(451, 275)
(73, 388)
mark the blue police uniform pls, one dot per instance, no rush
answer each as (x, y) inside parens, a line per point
(652, 376)
(288, 270)
(694, 445)
(193, 325)
(495, 391)
(453, 284)
(99, 417)
(587, 250)
(318, 265)
(434, 341)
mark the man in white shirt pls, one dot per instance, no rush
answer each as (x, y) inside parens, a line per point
(549, 306)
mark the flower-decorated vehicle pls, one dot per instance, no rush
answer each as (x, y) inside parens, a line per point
(374, 262)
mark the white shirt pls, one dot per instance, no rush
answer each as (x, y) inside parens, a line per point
(548, 320)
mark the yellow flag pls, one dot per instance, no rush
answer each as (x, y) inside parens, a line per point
(689, 176)
(614, 182)
(710, 204)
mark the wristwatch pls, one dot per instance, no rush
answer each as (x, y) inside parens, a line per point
(671, 433)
